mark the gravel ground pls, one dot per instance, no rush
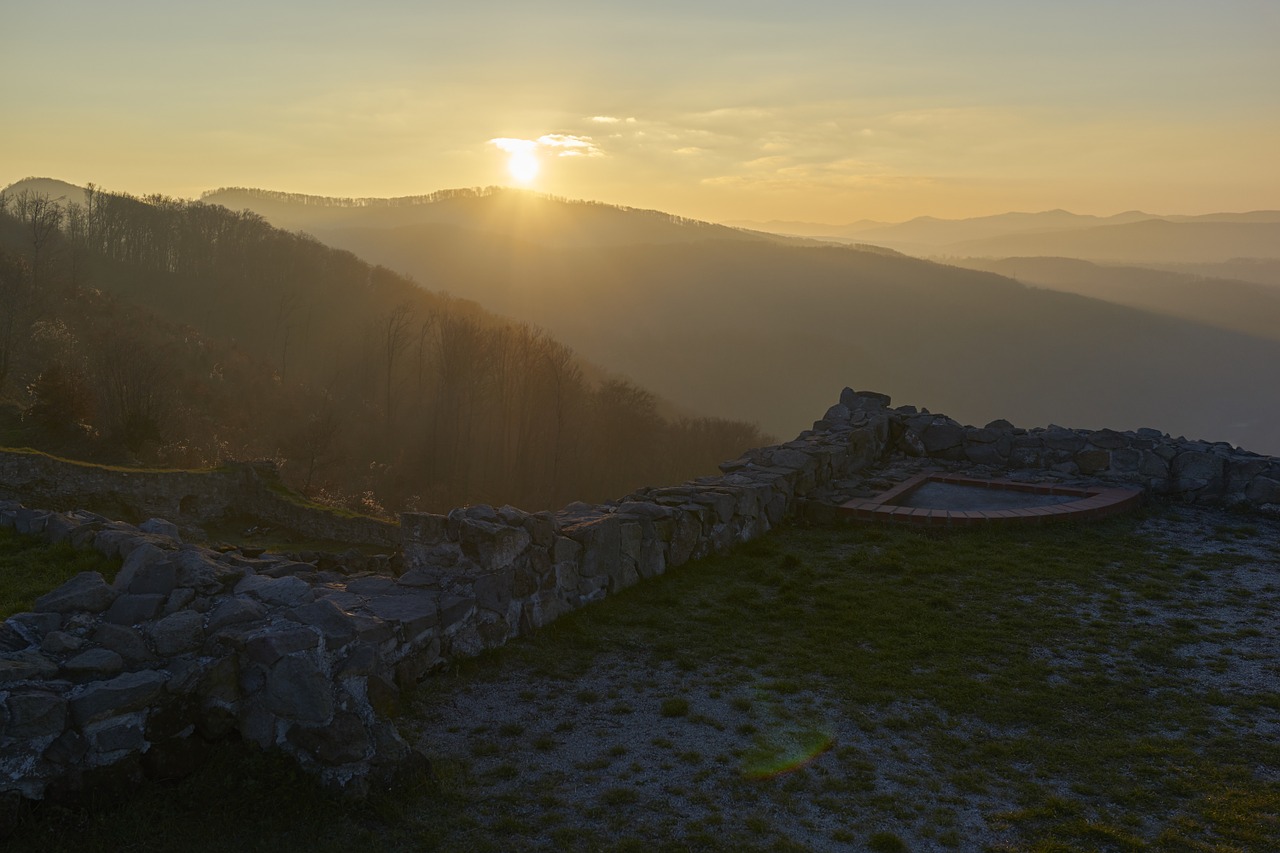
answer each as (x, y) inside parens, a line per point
(649, 750)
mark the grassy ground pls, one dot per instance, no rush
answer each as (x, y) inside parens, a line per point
(29, 568)
(1106, 687)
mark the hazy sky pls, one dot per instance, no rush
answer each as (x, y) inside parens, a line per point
(823, 111)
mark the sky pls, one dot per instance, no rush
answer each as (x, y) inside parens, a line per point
(827, 112)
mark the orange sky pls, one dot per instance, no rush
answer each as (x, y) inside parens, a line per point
(817, 111)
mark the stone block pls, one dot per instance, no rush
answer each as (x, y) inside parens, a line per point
(23, 630)
(234, 610)
(980, 436)
(492, 544)
(601, 545)
(94, 662)
(423, 528)
(270, 645)
(177, 633)
(33, 714)
(86, 591)
(417, 613)
(117, 734)
(1108, 439)
(128, 692)
(344, 740)
(493, 590)
(125, 641)
(60, 642)
(198, 570)
(58, 528)
(287, 591)
(131, 609)
(1093, 461)
(1126, 460)
(334, 624)
(939, 437)
(160, 527)
(298, 690)
(1196, 471)
(984, 454)
(30, 522)
(1263, 490)
(148, 570)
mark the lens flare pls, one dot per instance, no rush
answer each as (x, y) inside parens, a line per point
(784, 752)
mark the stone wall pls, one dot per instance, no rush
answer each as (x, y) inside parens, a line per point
(187, 645)
(1164, 466)
(187, 498)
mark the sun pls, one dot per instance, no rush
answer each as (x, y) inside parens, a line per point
(523, 166)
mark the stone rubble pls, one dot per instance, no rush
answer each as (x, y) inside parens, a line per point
(109, 682)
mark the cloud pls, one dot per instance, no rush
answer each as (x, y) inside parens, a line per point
(605, 119)
(564, 144)
(571, 146)
(513, 146)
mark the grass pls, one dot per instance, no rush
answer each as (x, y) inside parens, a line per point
(885, 689)
(29, 568)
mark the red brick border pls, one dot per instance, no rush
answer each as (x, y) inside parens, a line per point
(1091, 503)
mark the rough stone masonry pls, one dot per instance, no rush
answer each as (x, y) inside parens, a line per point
(105, 682)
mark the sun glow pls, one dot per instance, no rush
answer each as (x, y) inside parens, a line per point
(523, 166)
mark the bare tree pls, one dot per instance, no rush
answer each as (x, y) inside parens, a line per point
(41, 217)
(397, 329)
(15, 305)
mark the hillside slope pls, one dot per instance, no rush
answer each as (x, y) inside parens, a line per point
(1240, 306)
(515, 214)
(758, 331)
(169, 332)
(1150, 240)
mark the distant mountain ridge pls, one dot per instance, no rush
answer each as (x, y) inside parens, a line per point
(1214, 237)
(1148, 240)
(1239, 306)
(520, 214)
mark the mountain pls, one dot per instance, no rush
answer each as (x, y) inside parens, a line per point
(928, 232)
(1256, 270)
(1149, 240)
(761, 331)
(50, 188)
(1214, 237)
(514, 214)
(1249, 308)
(808, 229)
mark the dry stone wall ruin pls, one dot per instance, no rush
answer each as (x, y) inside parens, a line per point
(186, 646)
(185, 498)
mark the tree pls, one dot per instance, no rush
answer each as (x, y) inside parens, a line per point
(312, 447)
(15, 309)
(135, 385)
(41, 217)
(397, 330)
(61, 401)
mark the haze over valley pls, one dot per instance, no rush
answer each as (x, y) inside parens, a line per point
(755, 329)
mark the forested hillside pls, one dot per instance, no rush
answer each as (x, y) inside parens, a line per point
(162, 331)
